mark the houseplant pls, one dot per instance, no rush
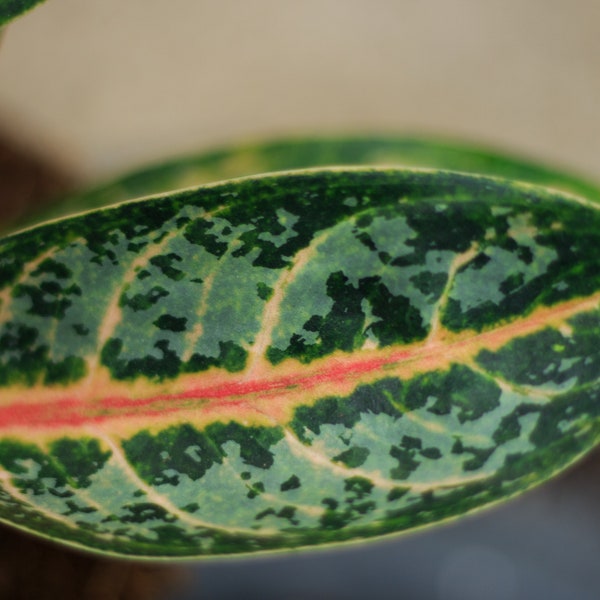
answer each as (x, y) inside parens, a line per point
(355, 311)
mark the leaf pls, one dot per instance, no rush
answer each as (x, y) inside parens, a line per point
(302, 153)
(295, 360)
(10, 9)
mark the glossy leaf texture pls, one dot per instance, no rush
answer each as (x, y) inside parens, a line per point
(10, 9)
(301, 153)
(295, 360)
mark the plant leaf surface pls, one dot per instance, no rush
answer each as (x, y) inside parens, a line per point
(294, 360)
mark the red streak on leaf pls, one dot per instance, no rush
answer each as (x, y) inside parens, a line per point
(288, 383)
(73, 412)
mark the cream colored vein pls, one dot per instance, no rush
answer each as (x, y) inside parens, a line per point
(310, 510)
(85, 496)
(272, 310)
(320, 460)
(192, 337)
(79, 493)
(159, 499)
(196, 333)
(10, 488)
(536, 394)
(113, 313)
(459, 261)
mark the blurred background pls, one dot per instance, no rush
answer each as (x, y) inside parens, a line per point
(91, 89)
(104, 85)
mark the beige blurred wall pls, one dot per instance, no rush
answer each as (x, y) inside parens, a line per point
(110, 84)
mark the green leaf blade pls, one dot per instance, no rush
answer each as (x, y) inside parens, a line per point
(302, 153)
(293, 360)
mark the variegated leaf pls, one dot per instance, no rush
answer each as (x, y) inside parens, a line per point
(294, 360)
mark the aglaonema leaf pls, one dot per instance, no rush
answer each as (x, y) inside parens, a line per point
(10, 9)
(294, 360)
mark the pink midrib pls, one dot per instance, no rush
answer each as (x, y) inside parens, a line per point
(340, 371)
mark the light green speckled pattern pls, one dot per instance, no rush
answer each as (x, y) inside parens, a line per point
(294, 360)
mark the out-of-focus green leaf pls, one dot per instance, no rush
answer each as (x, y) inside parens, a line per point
(285, 154)
(10, 9)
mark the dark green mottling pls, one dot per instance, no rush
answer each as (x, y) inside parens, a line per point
(353, 457)
(167, 365)
(15, 457)
(355, 504)
(162, 459)
(71, 368)
(254, 442)
(199, 232)
(171, 323)
(166, 264)
(301, 153)
(58, 269)
(548, 357)
(144, 301)
(510, 427)
(231, 357)
(255, 489)
(264, 291)
(446, 212)
(345, 466)
(181, 450)
(396, 493)
(406, 462)
(27, 364)
(292, 483)
(49, 299)
(478, 455)
(471, 394)
(146, 511)
(375, 399)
